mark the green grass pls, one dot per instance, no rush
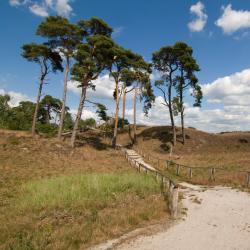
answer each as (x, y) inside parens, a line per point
(77, 211)
(84, 190)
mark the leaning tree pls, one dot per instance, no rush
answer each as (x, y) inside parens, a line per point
(64, 37)
(92, 58)
(48, 61)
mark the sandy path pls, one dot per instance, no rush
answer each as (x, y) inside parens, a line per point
(216, 219)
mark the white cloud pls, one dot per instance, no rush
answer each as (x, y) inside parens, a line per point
(200, 21)
(44, 7)
(16, 97)
(62, 7)
(86, 114)
(104, 89)
(230, 90)
(39, 10)
(233, 20)
(117, 31)
(15, 2)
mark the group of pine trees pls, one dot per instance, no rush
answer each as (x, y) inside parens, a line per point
(85, 50)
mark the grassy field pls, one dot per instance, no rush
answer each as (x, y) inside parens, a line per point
(54, 198)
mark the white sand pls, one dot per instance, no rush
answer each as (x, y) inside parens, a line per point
(221, 221)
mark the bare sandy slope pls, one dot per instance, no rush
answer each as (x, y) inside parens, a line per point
(217, 218)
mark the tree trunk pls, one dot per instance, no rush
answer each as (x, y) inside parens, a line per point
(123, 106)
(33, 130)
(116, 115)
(66, 73)
(182, 118)
(135, 95)
(48, 114)
(171, 111)
(78, 116)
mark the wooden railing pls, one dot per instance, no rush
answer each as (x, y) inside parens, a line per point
(169, 188)
(210, 170)
(212, 173)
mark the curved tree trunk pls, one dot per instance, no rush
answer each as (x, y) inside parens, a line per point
(78, 116)
(135, 96)
(33, 130)
(66, 73)
(123, 106)
(116, 115)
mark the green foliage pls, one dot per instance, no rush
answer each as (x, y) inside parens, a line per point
(165, 147)
(43, 55)
(50, 104)
(90, 122)
(68, 121)
(4, 110)
(102, 112)
(22, 116)
(61, 34)
(95, 26)
(122, 122)
(48, 128)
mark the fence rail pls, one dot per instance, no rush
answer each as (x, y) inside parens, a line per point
(169, 187)
(212, 172)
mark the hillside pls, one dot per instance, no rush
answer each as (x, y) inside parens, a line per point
(53, 197)
(201, 148)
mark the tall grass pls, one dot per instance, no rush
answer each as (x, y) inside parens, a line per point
(84, 190)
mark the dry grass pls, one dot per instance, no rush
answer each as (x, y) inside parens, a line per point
(27, 162)
(230, 151)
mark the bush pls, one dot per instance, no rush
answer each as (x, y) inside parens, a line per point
(243, 140)
(165, 147)
(48, 129)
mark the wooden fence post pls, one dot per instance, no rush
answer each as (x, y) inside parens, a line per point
(212, 174)
(167, 164)
(177, 169)
(190, 173)
(174, 202)
(247, 179)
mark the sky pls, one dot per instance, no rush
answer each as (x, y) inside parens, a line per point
(218, 31)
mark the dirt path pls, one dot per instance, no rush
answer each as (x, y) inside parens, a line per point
(216, 219)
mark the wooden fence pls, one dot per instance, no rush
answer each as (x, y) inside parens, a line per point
(170, 189)
(191, 173)
(211, 172)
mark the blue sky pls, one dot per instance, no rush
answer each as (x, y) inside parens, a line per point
(219, 34)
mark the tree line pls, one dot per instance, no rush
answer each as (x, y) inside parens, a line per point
(85, 50)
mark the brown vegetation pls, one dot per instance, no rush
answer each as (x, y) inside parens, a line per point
(32, 162)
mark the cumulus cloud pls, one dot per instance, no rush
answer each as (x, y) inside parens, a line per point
(230, 90)
(200, 20)
(233, 20)
(104, 88)
(86, 114)
(16, 97)
(39, 10)
(44, 7)
(230, 97)
(15, 2)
